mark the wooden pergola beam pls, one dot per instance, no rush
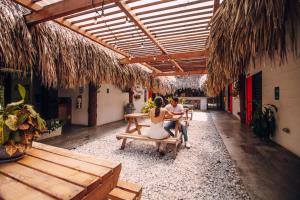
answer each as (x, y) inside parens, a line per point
(62, 8)
(163, 57)
(202, 71)
(133, 17)
(216, 5)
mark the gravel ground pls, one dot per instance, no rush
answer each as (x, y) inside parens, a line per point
(205, 171)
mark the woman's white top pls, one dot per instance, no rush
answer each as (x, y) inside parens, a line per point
(156, 131)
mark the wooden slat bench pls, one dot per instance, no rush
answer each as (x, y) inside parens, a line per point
(126, 191)
(48, 172)
(176, 141)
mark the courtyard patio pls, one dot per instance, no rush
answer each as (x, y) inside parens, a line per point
(226, 161)
(149, 99)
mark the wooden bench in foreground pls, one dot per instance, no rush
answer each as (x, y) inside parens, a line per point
(48, 172)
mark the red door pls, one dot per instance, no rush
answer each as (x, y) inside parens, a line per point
(149, 93)
(248, 99)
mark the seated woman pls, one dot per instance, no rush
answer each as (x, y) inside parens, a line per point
(157, 116)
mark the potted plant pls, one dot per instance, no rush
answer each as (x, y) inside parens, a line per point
(54, 128)
(263, 122)
(20, 124)
(147, 106)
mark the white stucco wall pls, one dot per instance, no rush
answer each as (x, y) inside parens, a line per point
(287, 78)
(79, 116)
(110, 106)
(236, 106)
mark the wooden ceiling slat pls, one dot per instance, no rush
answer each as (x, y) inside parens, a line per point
(182, 33)
(201, 28)
(94, 17)
(172, 7)
(115, 33)
(198, 41)
(149, 4)
(86, 12)
(185, 43)
(204, 20)
(138, 32)
(155, 21)
(156, 30)
(62, 8)
(138, 41)
(113, 29)
(103, 26)
(173, 13)
(105, 21)
(187, 37)
(133, 36)
(180, 36)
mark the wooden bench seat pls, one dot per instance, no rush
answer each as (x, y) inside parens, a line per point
(125, 191)
(135, 136)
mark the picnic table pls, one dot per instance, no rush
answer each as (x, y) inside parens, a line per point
(48, 172)
(135, 132)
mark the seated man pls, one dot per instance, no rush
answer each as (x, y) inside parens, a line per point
(177, 109)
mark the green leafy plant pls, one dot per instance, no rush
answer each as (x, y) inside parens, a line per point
(181, 100)
(263, 122)
(54, 124)
(19, 125)
(147, 106)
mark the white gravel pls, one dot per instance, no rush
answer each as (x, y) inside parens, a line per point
(205, 171)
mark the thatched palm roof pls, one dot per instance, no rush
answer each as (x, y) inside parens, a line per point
(245, 31)
(62, 58)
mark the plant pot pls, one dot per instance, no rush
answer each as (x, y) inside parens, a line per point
(50, 134)
(4, 157)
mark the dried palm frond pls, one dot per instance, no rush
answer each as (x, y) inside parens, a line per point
(244, 32)
(16, 49)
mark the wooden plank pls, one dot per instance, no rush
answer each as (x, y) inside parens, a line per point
(119, 194)
(78, 156)
(136, 115)
(136, 136)
(170, 15)
(182, 21)
(73, 176)
(102, 190)
(50, 185)
(203, 71)
(178, 5)
(176, 56)
(124, 185)
(62, 8)
(96, 170)
(11, 189)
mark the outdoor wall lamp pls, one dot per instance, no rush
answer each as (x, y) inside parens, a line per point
(79, 102)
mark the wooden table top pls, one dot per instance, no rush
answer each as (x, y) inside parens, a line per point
(48, 172)
(136, 115)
